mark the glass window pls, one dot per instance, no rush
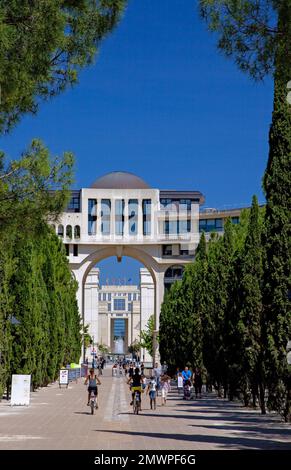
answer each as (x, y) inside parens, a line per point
(185, 204)
(210, 225)
(119, 216)
(92, 216)
(235, 220)
(183, 226)
(146, 211)
(166, 203)
(129, 297)
(132, 216)
(77, 231)
(61, 231)
(109, 307)
(134, 296)
(167, 250)
(105, 216)
(170, 227)
(219, 223)
(75, 250)
(104, 296)
(74, 204)
(119, 328)
(99, 296)
(67, 247)
(130, 306)
(69, 231)
(109, 296)
(119, 304)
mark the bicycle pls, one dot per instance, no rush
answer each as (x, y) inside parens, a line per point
(136, 402)
(93, 402)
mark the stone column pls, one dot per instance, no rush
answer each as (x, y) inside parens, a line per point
(98, 222)
(159, 297)
(140, 220)
(91, 290)
(147, 305)
(126, 221)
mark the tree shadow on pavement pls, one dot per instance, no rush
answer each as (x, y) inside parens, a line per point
(224, 442)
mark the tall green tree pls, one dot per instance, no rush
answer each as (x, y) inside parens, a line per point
(43, 46)
(147, 335)
(277, 183)
(257, 34)
(6, 310)
(248, 322)
(26, 185)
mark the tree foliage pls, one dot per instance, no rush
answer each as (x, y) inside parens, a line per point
(43, 46)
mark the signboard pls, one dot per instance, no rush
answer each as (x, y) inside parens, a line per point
(64, 377)
(20, 389)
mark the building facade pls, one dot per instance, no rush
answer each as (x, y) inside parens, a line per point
(118, 312)
(120, 215)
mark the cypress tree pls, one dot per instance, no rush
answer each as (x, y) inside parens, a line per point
(277, 184)
(249, 339)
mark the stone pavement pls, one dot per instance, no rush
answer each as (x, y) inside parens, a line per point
(59, 419)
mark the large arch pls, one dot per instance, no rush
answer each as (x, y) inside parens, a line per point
(137, 252)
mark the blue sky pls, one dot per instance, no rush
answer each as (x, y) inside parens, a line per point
(163, 103)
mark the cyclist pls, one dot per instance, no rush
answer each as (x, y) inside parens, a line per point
(135, 384)
(93, 381)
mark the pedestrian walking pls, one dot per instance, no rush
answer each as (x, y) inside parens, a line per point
(152, 390)
(197, 382)
(180, 383)
(157, 375)
(165, 387)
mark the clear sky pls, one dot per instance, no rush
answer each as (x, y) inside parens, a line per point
(163, 103)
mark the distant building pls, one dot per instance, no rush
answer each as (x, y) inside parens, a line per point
(120, 215)
(120, 313)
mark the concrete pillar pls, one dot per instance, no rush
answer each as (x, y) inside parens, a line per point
(98, 222)
(126, 221)
(91, 289)
(109, 330)
(140, 220)
(147, 305)
(159, 297)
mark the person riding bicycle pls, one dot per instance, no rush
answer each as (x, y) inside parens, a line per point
(135, 384)
(93, 381)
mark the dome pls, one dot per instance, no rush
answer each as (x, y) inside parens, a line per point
(120, 180)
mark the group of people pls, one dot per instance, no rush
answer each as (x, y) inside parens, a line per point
(158, 382)
(186, 380)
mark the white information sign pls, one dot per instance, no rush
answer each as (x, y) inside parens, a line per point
(64, 377)
(20, 389)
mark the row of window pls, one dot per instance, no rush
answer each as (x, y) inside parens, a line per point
(214, 225)
(172, 227)
(176, 204)
(119, 216)
(107, 297)
(168, 250)
(68, 231)
(120, 305)
(75, 250)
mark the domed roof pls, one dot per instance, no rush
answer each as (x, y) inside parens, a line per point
(120, 180)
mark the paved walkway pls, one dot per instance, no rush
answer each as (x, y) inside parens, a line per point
(59, 419)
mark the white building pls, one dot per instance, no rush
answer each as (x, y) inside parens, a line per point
(118, 313)
(120, 215)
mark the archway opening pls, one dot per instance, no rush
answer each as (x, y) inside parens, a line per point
(119, 300)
